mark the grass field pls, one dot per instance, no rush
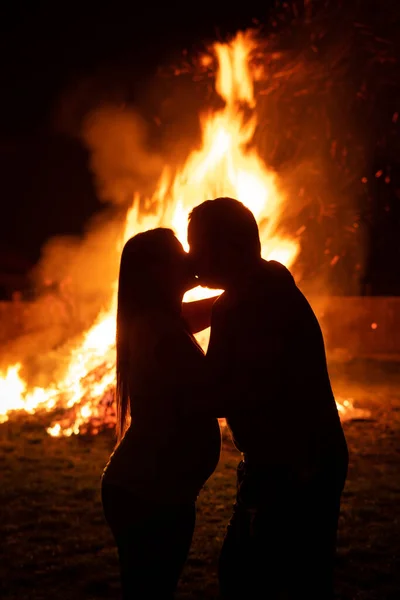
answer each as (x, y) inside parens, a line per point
(55, 544)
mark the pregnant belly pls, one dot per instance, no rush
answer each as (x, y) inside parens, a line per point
(173, 463)
(201, 450)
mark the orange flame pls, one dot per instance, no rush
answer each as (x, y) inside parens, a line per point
(225, 165)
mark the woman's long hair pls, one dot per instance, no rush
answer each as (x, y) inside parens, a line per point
(140, 287)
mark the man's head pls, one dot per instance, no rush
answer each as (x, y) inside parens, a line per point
(224, 240)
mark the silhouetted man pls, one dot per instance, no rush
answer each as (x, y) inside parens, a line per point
(267, 344)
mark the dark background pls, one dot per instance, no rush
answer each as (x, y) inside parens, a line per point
(46, 186)
(47, 48)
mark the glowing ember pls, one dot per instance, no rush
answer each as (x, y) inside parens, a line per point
(347, 410)
(225, 165)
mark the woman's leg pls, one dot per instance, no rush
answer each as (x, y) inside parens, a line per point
(152, 548)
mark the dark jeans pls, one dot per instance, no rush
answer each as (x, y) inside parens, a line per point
(281, 540)
(153, 543)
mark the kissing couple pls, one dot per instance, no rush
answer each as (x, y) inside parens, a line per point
(265, 372)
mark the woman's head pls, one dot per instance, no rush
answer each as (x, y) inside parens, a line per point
(154, 274)
(154, 271)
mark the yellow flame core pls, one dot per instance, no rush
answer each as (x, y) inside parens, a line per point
(224, 165)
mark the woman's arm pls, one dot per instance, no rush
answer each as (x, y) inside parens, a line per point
(200, 386)
(197, 314)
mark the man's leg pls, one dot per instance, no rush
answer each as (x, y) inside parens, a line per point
(235, 562)
(251, 562)
(285, 549)
(314, 520)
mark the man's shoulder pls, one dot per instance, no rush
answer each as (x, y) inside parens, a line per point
(278, 273)
(278, 284)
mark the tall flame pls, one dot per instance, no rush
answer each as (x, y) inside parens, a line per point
(225, 165)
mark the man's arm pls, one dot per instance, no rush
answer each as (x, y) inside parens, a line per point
(235, 360)
(217, 392)
(202, 387)
(197, 314)
(246, 357)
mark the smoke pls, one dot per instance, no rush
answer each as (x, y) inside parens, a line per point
(83, 269)
(297, 135)
(121, 159)
(306, 133)
(75, 277)
(73, 281)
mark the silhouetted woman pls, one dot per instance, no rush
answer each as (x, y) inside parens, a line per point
(163, 456)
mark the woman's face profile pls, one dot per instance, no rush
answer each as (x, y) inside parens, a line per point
(156, 266)
(181, 269)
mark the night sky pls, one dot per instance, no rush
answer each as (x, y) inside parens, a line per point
(48, 48)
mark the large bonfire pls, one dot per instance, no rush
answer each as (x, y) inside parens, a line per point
(226, 164)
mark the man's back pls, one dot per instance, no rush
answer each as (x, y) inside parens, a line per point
(269, 341)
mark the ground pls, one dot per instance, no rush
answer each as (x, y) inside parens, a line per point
(55, 544)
